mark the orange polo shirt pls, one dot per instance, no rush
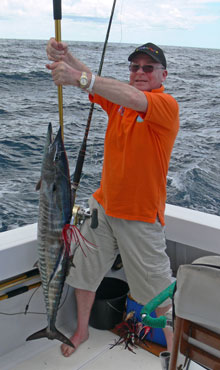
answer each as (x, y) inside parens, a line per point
(137, 151)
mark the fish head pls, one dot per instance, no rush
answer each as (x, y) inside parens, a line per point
(54, 158)
(55, 178)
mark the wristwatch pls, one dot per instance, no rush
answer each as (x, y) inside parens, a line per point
(83, 81)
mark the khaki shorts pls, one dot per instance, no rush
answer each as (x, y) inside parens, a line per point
(142, 248)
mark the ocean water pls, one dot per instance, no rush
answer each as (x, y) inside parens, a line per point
(28, 102)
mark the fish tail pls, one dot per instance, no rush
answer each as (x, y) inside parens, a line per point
(54, 334)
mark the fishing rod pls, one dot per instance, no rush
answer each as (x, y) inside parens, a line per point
(57, 15)
(21, 290)
(82, 151)
(19, 279)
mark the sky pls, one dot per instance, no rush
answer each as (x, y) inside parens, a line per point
(193, 23)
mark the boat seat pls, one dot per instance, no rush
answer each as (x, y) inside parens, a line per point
(197, 310)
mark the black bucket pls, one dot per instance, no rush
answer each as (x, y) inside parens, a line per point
(109, 304)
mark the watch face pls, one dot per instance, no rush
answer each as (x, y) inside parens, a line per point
(83, 80)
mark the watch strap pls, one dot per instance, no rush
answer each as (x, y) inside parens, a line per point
(89, 89)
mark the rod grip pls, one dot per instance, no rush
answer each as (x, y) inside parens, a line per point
(57, 12)
(94, 219)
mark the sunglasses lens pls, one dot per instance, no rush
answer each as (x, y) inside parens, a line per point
(134, 67)
(148, 69)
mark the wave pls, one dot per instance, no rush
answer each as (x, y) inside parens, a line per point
(21, 76)
(28, 101)
(3, 111)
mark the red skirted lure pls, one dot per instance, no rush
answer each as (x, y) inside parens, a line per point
(131, 331)
(73, 239)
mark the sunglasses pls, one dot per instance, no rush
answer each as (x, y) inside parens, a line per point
(146, 68)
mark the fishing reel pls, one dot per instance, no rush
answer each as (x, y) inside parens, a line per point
(80, 214)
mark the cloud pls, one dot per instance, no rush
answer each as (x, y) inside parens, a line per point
(140, 13)
(167, 14)
(20, 8)
(35, 8)
(89, 19)
(183, 14)
(132, 19)
(88, 8)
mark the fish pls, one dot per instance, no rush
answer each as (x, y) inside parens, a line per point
(55, 212)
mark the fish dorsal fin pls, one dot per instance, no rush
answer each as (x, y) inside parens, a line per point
(38, 186)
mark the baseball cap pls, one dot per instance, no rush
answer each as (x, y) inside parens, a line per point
(152, 50)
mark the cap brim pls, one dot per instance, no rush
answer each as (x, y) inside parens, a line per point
(135, 53)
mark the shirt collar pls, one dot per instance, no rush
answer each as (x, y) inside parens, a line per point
(159, 90)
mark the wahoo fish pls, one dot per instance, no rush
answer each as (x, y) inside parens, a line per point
(55, 210)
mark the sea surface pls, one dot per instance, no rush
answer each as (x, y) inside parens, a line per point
(28, 102)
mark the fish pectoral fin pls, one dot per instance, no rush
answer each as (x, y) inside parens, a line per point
(36, 264)
(51, 334)
(70, 264)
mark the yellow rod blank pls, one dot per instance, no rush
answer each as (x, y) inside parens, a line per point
(60, 90)
(18, 291)
(19, 280)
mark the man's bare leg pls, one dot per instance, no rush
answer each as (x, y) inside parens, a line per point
(167, 332)
(84, 299)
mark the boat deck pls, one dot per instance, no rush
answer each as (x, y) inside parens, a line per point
(94, 354)
(189, 234)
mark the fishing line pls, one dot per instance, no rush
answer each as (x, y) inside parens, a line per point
(27, 305)
(121, 28)
(91, 151)
(22, 313)
(82, 152)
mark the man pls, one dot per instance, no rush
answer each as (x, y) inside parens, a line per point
(142, 127)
